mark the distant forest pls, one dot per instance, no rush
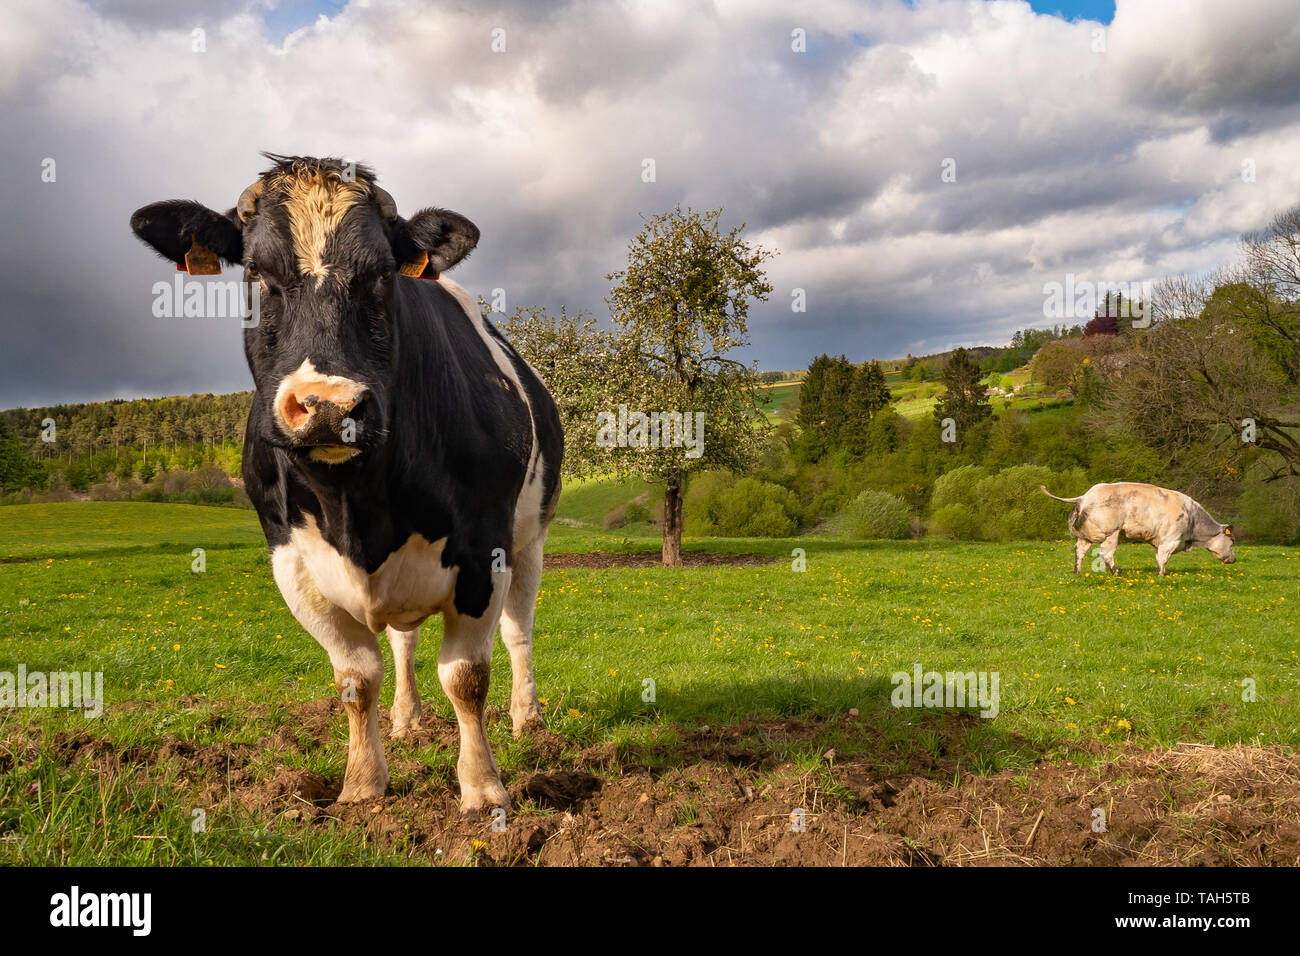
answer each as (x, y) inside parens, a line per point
(145, 438)
(126, 444)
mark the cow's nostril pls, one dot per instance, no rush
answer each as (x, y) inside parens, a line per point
(296, 411)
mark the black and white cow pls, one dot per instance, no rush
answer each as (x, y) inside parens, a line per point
(403, 459)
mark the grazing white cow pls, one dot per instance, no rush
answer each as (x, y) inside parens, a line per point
(1169, 521)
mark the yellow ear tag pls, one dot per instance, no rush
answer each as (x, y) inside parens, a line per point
(202, 261)
(415, 268)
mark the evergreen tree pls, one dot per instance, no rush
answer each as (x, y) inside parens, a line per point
(17, 469)
(868, 395)
(964, 400)
(810, 393)
(837, 397)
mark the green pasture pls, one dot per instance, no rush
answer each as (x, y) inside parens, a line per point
(1086, 664)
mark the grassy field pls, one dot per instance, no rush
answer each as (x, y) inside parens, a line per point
(775, 400)
(200, 665)
(914, 400)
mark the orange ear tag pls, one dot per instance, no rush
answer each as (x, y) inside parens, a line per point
(201, 261)
(415, 268)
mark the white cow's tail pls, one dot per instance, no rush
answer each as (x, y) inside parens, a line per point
(1068, 501)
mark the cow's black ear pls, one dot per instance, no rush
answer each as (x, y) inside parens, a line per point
(171, 227)
(446, 236)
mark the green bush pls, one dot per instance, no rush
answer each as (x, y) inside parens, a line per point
(208, 496)
(1271, 512)
(716, 504)
(953, 521)
(702, 491)
(875, 514)
(631, 512)
(58, 489)
(886, 431)
(957, 487)
(970, 503)
(1013, 509)
(106, 491)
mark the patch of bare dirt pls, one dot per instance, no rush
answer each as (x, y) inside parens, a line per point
(726, 798)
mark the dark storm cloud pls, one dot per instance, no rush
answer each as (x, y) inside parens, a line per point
(1122, 165)
(147, 14)
(1239, 57)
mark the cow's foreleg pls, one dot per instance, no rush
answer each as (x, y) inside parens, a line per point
(407, 714)
(1108, 552)
(464, 667)
(517, 635)
(358, 673)
(1081, 546)
(1164, 552)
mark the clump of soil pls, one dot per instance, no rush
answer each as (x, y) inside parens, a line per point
(721, 797)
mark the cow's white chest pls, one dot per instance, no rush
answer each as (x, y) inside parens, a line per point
(408, 587)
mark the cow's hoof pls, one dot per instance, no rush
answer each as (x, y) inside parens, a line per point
(529, 726)
(479, 803)
(407, 725)
(360, 793)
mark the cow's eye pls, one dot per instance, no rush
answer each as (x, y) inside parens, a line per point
(253, 272)
(377, 282)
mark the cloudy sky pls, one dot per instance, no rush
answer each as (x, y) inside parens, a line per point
(1119, 142)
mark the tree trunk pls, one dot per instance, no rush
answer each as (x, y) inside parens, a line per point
(673, 521)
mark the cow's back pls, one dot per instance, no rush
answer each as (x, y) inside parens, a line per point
(1137, 510)
(534, 440)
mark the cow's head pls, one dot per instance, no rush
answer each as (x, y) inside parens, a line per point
(1220, 545)
(324, 245)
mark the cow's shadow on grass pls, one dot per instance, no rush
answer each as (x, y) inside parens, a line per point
(775, 721)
